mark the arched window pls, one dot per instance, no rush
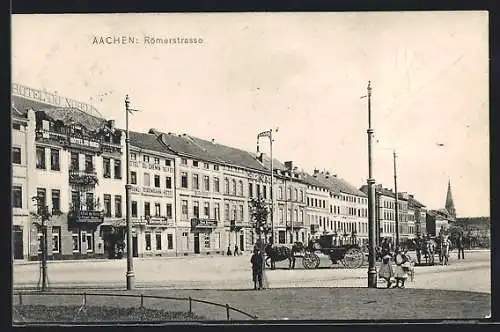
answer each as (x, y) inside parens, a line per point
(226, 186)
(233, 182)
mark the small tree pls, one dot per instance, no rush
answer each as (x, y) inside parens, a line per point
(42, 215)
(259, 212)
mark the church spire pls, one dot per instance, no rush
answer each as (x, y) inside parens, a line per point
(449, 206)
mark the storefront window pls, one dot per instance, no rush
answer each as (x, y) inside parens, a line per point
(76, 243)
(90, 242)
(158, 241)
(207, 241)
(170, 241)
(56, 240)
(148, 241)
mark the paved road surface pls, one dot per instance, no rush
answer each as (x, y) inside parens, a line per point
(222, 272)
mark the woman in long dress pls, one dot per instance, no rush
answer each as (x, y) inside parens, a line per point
(401, 268)
(385, 271)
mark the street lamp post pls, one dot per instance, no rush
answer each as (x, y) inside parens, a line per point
(372, 234)
(130, 264)
(396, 208)
(269, 133)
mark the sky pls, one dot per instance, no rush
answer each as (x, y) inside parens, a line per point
(303, 73)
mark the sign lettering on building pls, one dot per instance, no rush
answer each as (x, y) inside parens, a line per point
(84, 142)
(51, 98)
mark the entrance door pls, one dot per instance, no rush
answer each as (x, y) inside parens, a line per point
(242, 243)
(135, 250)
(196, 243)
(18, 244)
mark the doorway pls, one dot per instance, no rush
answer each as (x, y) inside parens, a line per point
(18, 243)
(196, 243)
(135, 250)
(242, 243)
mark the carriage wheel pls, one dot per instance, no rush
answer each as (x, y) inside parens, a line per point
(353, 258)
(310, 261)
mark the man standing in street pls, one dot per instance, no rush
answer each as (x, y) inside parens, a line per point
(460, 246)
(257, 263)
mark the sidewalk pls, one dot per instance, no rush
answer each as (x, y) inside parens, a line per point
(100, 260)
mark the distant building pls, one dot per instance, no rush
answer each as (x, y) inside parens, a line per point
(449, 205)
(437, 220)
(477, 229)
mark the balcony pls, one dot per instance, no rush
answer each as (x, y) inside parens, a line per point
(85, 178)
(88, 217)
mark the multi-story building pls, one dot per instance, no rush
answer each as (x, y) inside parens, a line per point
(152, 176)
(65, 158)
(411, 214)
(20, 211)
(290, 217)
(416, 217)
(437, 220)
(348, 209)
(319, 209)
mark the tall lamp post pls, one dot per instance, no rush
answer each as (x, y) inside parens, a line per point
(372, 233)
(269, 134)
(130, 258)
(396, 207)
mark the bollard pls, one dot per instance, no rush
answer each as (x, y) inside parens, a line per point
(20, 299)
(190, 306)
(142, 301)
(227, 311)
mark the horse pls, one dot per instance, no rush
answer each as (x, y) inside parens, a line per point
(280, 253)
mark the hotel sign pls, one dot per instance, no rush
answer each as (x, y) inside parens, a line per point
(84, 142)
(50, 98)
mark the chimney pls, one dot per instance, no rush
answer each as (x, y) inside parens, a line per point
(289, 165)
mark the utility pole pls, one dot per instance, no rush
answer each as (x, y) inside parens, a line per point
(396, 208)
(272, 186)
(130, 264)
(372, 234)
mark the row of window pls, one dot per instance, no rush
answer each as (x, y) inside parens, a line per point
(289, 217)
(390, 215)
(41, 158)
(196, 163)
(78, 238)
(158, 241)
(146, 177)
(146, 159)
(392, 205)
(147, 210)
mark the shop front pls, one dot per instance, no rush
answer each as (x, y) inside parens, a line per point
(206, 237)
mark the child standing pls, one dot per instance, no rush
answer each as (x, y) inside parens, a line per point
(385, 271)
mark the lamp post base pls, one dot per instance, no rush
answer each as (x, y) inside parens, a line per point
(372, 278)
(130, 280)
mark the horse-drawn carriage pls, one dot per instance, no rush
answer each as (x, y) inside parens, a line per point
(349, 255)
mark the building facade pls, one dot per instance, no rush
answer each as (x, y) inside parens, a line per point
(152, 176)
(63, 160)
(348, 210)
